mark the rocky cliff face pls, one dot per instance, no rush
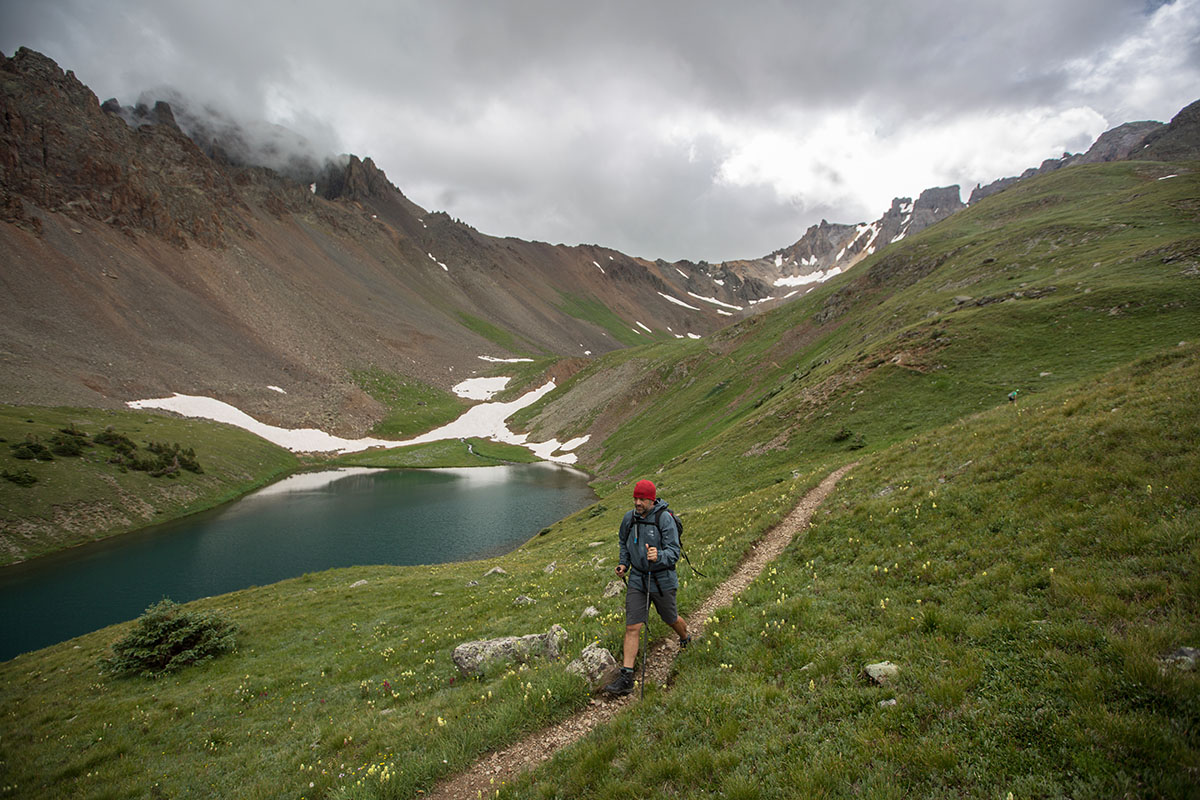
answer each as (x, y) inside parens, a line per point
(1179, 140)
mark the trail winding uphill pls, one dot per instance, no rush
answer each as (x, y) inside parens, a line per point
(502, 766)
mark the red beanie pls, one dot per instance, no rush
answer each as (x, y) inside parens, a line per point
(643, 490)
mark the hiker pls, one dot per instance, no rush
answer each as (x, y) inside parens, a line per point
(649, 551)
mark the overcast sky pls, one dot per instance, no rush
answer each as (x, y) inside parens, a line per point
(663, 128)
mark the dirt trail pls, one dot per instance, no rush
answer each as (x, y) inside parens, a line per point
(500, 767)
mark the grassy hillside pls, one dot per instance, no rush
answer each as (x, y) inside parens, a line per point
(1026, 565)
(56, 500)
(1026, 568)
(1040, 286)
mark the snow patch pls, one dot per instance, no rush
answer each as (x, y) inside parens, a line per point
(643, 327)
(677, 302)
(483, 421)
(480, 388)
(714, 301)
(504, 360)
(276, 389)
(602, 272)
(294, 439)
(812, 277)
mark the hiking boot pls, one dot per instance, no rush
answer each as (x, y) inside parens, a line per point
(622, 684)
(683, 643)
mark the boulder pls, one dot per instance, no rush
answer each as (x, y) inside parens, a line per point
(473, 658)
(881, 673)
(613, 589)
(595, 665)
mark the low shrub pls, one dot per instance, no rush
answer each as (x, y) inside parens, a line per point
(31, 450)
(20, 478)
(167, 638)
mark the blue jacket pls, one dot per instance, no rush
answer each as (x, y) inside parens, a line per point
(636, 533)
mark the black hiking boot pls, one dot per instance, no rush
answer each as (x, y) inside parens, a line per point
(622, 684)
(684, 642)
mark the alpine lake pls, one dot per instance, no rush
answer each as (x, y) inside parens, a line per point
(306, 523)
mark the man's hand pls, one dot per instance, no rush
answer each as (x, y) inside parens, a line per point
(651, 553)
(620, 570)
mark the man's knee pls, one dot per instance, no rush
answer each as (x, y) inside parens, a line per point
(634, 628)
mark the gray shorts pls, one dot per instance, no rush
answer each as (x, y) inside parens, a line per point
(635, 606)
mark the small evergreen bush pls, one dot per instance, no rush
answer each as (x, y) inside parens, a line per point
(31, 450)
(22, 478)
(117, 441)
(67, 444)
(167, 638)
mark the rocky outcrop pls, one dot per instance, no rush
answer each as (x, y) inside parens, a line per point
(933, 206)
(817, 250)
(63, 152)
(354, 179)
(1179, 140)
(475, 658)
(1120, 143)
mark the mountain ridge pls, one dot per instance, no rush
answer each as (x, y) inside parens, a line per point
(147, 255)
(139, 266)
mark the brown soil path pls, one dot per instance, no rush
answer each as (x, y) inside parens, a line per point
(500, 767)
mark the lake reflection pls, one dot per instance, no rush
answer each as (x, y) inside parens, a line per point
(306, 523)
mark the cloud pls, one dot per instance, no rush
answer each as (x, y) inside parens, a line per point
(675, 129)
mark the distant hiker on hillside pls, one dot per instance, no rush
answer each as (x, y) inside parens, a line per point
(649, 551)
(1012, 396)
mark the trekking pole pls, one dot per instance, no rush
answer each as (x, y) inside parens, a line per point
(646, 628)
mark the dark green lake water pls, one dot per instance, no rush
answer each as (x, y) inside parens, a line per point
(305, 524)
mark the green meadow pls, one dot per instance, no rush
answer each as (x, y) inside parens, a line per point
(1029, 566)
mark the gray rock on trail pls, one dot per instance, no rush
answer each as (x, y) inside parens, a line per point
(613, 589)
(881, 673)
(595, 665)
(473, 658)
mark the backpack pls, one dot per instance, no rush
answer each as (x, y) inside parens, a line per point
(679, 528)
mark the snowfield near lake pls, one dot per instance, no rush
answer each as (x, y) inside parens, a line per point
(484, 421)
